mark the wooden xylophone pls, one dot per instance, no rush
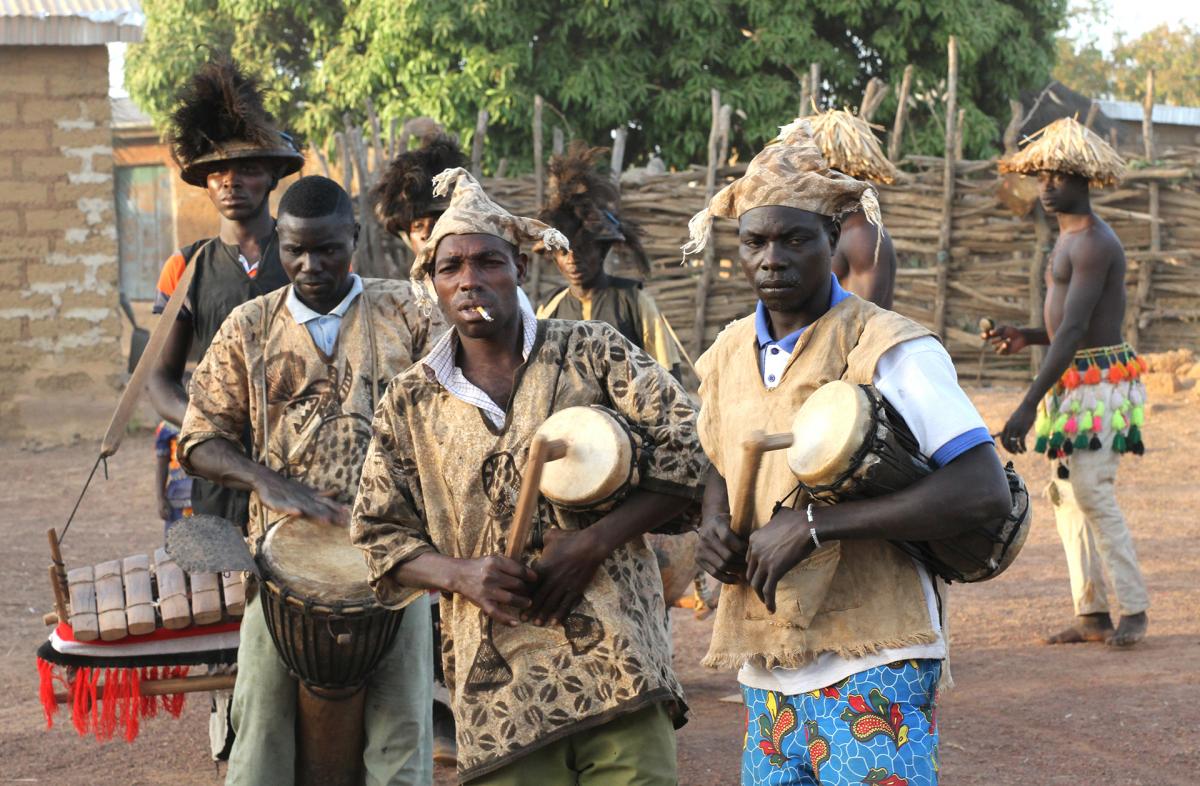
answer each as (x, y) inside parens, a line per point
(139, 594)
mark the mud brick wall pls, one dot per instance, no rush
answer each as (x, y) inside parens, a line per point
(61, 361)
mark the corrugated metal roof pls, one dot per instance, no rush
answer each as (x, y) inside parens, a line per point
(127, 115)
(1162, 113)
(69, 22)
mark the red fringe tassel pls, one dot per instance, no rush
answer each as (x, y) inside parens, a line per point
(117, 704)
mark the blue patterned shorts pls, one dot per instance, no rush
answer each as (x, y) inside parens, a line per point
(875, 727)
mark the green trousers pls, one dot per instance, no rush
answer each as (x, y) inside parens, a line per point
(637, 749)
(398, 711)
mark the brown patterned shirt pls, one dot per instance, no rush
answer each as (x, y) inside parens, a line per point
(440, 476)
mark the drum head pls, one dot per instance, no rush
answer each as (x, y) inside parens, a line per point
(598, 461)
(317, 562)
(828, 430)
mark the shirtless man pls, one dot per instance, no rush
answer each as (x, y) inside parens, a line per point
(864, 260)
(1087, 383)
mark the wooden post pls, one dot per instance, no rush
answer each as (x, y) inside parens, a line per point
(481, 125)
(343, 145)
(618, 153)
(1146, 265)
(376, 140)
(1013, 130)
(943, 255)
(901, 115)
(873, 96)
(958, 135)
(710, 251)
(539, 177)
(1093, 110)
(1037, 268)
(322, 160)
(725, 122)
(805, 96)
(814, 89)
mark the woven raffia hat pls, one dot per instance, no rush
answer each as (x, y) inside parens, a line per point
(220, 117)
(789, 172)
(472, 212)
(849, 145)
(1066, 145)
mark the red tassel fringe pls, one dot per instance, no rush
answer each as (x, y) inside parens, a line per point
(117, 704)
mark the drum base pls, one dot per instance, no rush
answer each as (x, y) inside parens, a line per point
(329, 737)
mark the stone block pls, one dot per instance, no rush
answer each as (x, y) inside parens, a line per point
(10, 222)
(41, 273)
(64, 193)
(40, 109)
(24, 247)
(22, 82)
(53, 220)
(51, 168)
(81, 137)
(12, 275)
(23, 193)
(25, 139)
(15, 298)
(12, 329)
(93, 244)
(1160, 383)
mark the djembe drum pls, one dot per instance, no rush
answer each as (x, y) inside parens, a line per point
(848, 443)
(331, 633)
(594, 468)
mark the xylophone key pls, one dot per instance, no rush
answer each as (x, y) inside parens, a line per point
(139, 599)
(84, 621)
(110, 601)
(172, 592)
(234, 587)
(206, 598)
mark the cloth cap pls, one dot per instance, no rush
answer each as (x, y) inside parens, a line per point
(789, 172)
(472, 212)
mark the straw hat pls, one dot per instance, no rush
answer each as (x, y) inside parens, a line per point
(849, 145)
(1066, 145)
(789, 172)
(220, 117)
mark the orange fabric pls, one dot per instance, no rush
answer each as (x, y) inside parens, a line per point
(172, 271)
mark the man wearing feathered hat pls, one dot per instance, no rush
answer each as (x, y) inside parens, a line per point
(827, 621)
(583, 204)
(563, 667)
(226, 143)
(864, 261)
(1087, 402)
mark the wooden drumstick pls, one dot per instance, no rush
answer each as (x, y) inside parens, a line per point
(541, 451)
(741, 513)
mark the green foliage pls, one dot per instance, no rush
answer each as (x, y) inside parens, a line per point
(603, 63)
(1173, 53)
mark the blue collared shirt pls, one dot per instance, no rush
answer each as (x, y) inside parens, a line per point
(324, 328)
(773, 354)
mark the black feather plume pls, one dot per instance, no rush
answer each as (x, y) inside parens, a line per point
(221, 105)
(405, 191)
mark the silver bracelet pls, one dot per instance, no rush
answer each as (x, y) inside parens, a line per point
(812, 530)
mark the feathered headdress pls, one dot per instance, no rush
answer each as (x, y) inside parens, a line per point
(789, 172)
(405, 191)
(584, 204)
(472, 212)
(220, 117)
(1066, 145)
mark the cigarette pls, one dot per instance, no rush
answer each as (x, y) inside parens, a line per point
(483, 313)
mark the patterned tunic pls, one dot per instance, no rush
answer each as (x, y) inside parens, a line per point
(309, 413)
(440, 476)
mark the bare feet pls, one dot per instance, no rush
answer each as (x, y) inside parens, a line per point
(1130, 630)
(1087, 627)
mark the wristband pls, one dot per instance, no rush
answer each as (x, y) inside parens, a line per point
(812, 530)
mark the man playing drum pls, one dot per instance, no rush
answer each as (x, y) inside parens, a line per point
(1087, 401)
(838, 634)
(301, 369)
(563, 667)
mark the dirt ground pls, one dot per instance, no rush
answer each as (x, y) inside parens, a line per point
(1021, 713)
